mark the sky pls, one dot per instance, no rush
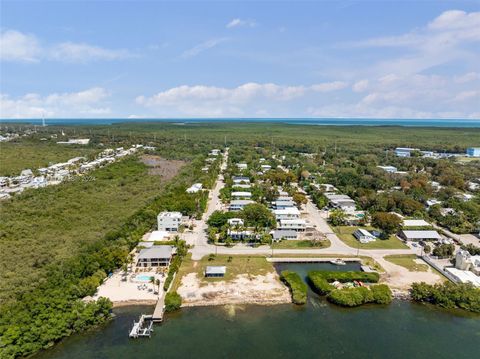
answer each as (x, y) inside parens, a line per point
(166, 59)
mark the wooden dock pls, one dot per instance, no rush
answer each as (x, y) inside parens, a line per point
(159, 309)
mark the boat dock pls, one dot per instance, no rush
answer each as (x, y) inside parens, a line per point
(142, 328)
(159, 310)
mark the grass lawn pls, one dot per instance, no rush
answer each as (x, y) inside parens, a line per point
(407, 261)
(345, 233)
(236, 264)
(293, 244)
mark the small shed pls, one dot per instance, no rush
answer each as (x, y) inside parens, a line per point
(215, 271)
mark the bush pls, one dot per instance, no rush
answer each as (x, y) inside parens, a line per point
(354, 297)
(173, 301)
(319, 284)
(448, 295)
(297, 287)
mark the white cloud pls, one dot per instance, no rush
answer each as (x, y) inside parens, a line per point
(360, 86)
(73, 52)
(89, 102)
(17, 46)
(329, 86)
(239, 23)
(446, 39)
(468, 77)
(197, 49)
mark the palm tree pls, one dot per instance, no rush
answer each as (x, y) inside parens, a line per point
(152, 280)
(157, 282)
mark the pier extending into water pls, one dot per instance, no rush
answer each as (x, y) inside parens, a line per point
(142, 328)
(159, 309)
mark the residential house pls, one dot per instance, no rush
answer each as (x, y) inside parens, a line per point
(235, 222)
(287, 234)
(241, 195)
(155, 256)
(237, 205)
(292, 224)
(196, 187)
(364, 236)
(215, 271)
(169, 221)
(405, 151)
(286, 213)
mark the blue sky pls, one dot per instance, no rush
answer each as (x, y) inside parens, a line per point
(379, 59)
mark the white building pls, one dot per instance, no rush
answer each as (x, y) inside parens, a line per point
(389, 169)
(292, 224)
(465, 261)
(473, 152)
(241, 179)
(341, 201)
(169, 221)
(233, 222)
(237, 205)
(242, 166)
(241, 195)
(286, 213)
(214, 152)
(265, 167)
(279, 235)
(196, 187)
(404, 151)
(420, 235)
(464, 276)
(364, 236)
(415, 223)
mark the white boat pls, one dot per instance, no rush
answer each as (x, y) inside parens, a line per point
(338, 262)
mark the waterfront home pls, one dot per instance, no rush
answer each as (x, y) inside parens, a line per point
(420, 235)
(235, 222)
(196, 187)
(286, 213)
(364, 236)
(157, 236)
(415, 223)
(237, 205)
(215, 271)
(155, 256)
(287, 234)
(463, 276)
(292, 224)
(405, 151)
(241, 195)
(169, 221)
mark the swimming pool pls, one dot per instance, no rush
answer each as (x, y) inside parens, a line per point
(143, 277)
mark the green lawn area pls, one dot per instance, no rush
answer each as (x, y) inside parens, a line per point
(17, 156)
(345, 233)
(293, 244)
(236, 264)
(407, 261)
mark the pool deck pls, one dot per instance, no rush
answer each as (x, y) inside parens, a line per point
(122, 292)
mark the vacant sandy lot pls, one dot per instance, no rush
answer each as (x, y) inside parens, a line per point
(159, 166)
(260, 289)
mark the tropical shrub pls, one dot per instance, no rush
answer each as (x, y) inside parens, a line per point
(297, 287)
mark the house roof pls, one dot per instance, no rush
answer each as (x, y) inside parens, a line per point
(162, 251)
(422, 234)
(216, 270)
(279, 233)
(415, 223)
(158, 236)
(240, 202)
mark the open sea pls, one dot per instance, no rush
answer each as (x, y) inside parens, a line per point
(291, 121)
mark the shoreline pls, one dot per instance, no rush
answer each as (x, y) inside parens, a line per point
(133, 302)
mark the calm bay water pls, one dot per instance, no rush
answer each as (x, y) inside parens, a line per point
(317, 330)
(298, 121)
